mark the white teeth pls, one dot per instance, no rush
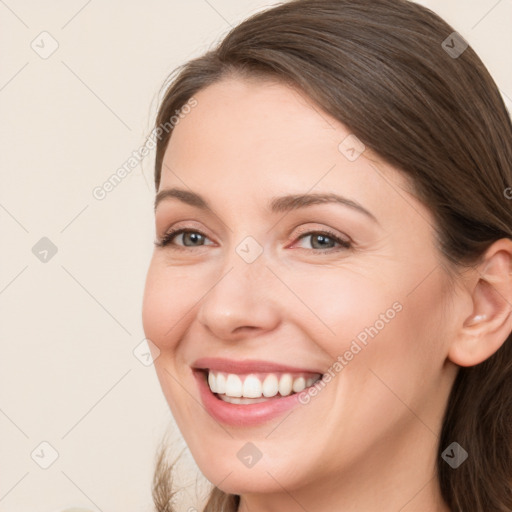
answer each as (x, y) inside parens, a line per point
(298, 385)
(285, 384)
(233, 385)
(252, 387)
(212, 382)
(235, 388)
(270, 386)
(221, 383)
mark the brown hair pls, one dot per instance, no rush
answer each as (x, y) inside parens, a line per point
(380, 67)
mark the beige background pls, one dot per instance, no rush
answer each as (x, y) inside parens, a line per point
(68, 327)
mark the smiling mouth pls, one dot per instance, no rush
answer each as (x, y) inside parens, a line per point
(246, 393)
(253, 388)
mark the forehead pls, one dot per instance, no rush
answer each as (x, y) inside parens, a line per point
(255, 134)
(251, 113)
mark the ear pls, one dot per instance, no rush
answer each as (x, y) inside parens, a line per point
(490, 323)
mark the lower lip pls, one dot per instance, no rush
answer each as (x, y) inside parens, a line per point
(242, 415)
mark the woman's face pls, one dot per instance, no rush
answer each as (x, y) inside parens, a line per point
(270, 289)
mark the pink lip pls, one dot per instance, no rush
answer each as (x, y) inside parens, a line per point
(239, 415)
(247, 366)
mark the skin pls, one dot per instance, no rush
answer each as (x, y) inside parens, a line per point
(368, 441)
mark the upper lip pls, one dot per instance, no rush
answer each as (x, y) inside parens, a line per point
(247, 366)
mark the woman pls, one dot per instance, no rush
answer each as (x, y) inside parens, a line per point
(331, 287)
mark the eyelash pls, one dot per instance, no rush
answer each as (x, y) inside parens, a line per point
(170, 235)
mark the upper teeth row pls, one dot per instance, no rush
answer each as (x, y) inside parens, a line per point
(252, 386)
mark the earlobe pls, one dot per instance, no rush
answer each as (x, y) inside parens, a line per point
(489, 325)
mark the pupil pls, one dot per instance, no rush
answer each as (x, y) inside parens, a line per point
(322, 239)
(197, 236)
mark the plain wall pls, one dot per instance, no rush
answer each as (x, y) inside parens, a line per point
(70, 323)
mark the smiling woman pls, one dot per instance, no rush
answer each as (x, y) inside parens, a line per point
(331, 285)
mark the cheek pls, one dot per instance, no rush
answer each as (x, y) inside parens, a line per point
(339, 305)
(384, 324)
(403, 353)
(168, 299)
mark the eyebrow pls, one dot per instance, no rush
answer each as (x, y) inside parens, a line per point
(276, 205)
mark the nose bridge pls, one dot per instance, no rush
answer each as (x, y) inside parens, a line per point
(241, 297)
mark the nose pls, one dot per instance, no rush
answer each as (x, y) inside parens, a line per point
(242, 302)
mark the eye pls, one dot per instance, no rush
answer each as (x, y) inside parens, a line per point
(324, 240)
(193, 236)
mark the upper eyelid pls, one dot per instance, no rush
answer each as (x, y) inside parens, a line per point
(329, 231)
(303, 231)
(175, 232)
